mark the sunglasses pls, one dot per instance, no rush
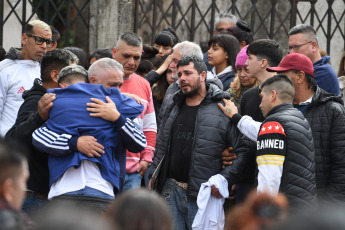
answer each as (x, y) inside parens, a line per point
(40, 40)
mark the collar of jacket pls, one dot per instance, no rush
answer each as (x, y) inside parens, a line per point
(280, 107)
(321, 96)
(14, 54)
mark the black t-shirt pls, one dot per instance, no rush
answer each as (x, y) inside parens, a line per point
(181, 143)
(250, 103)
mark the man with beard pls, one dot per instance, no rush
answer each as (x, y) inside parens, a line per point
(194, 133)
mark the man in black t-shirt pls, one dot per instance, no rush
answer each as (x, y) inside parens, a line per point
(194, 132)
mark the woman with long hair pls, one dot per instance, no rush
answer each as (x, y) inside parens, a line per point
(222, 55)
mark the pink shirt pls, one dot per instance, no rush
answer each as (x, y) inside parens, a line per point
(137, 85)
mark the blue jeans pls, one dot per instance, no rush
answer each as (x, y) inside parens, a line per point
(87, 198)
(34, 206)
(87, 191)
(182, 209)
(132, 180)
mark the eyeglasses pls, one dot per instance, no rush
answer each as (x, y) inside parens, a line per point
(224, 30)
(40, 40)
(295, 47)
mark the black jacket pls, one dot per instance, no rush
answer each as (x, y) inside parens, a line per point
(298, 181)
(227, 79)
(250, 102)
(28, 120)
(326, 116)
(213, 133)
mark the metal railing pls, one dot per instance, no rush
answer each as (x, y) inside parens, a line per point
(64, 14)
(193, 19)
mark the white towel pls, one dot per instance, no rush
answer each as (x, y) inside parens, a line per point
(210, 215)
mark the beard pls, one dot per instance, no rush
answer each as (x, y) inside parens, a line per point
(194, 90)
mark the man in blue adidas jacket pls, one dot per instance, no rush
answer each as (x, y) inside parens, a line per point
(91, 181)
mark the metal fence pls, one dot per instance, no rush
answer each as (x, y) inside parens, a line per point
(65, 15)
(193, 19)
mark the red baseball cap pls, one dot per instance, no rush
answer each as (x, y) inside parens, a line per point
(294, 61)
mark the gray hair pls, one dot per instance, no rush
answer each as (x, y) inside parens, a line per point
(73, 58)
(305, 29)
(188, 48)
(104, 64)
(131, 39)
(227, 18)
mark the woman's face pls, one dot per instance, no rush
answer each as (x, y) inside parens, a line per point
(217, 55)
(245, 80)
(169, 76)
(163, 50)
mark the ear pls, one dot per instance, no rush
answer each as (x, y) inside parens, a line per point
(54, 74)
(8, 190)
(93, 80)
(314, 46)
(203, 76)
(300, 77)
(264, 63)
(273, 95)
(24, 39)
(114, 52)
(55, 45)
(61, 85)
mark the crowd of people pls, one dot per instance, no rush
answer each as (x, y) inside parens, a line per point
(168, 137)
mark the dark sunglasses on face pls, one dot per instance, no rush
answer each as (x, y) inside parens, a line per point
(40, 40)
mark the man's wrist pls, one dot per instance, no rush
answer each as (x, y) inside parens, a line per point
(236, 118)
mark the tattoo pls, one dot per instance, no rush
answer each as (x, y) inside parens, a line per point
(228, 110)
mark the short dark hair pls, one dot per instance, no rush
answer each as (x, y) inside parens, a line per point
(308, 30)
(144, 67)
(242, 32)
(266, 49)
(101, 53)
(55, 34)
(167, 37)
(11, 160)
(230, 45)
(54, 60)
(282, 84)
(132, 39)
(70, 78)
(137, 208)
(199, 64)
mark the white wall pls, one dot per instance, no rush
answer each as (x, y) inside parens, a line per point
(12, 28)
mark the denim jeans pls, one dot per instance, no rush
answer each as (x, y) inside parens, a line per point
(34, 206)
(182, 209)
(87, 198)
(132, 180)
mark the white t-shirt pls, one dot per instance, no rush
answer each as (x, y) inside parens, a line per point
(74, 179)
